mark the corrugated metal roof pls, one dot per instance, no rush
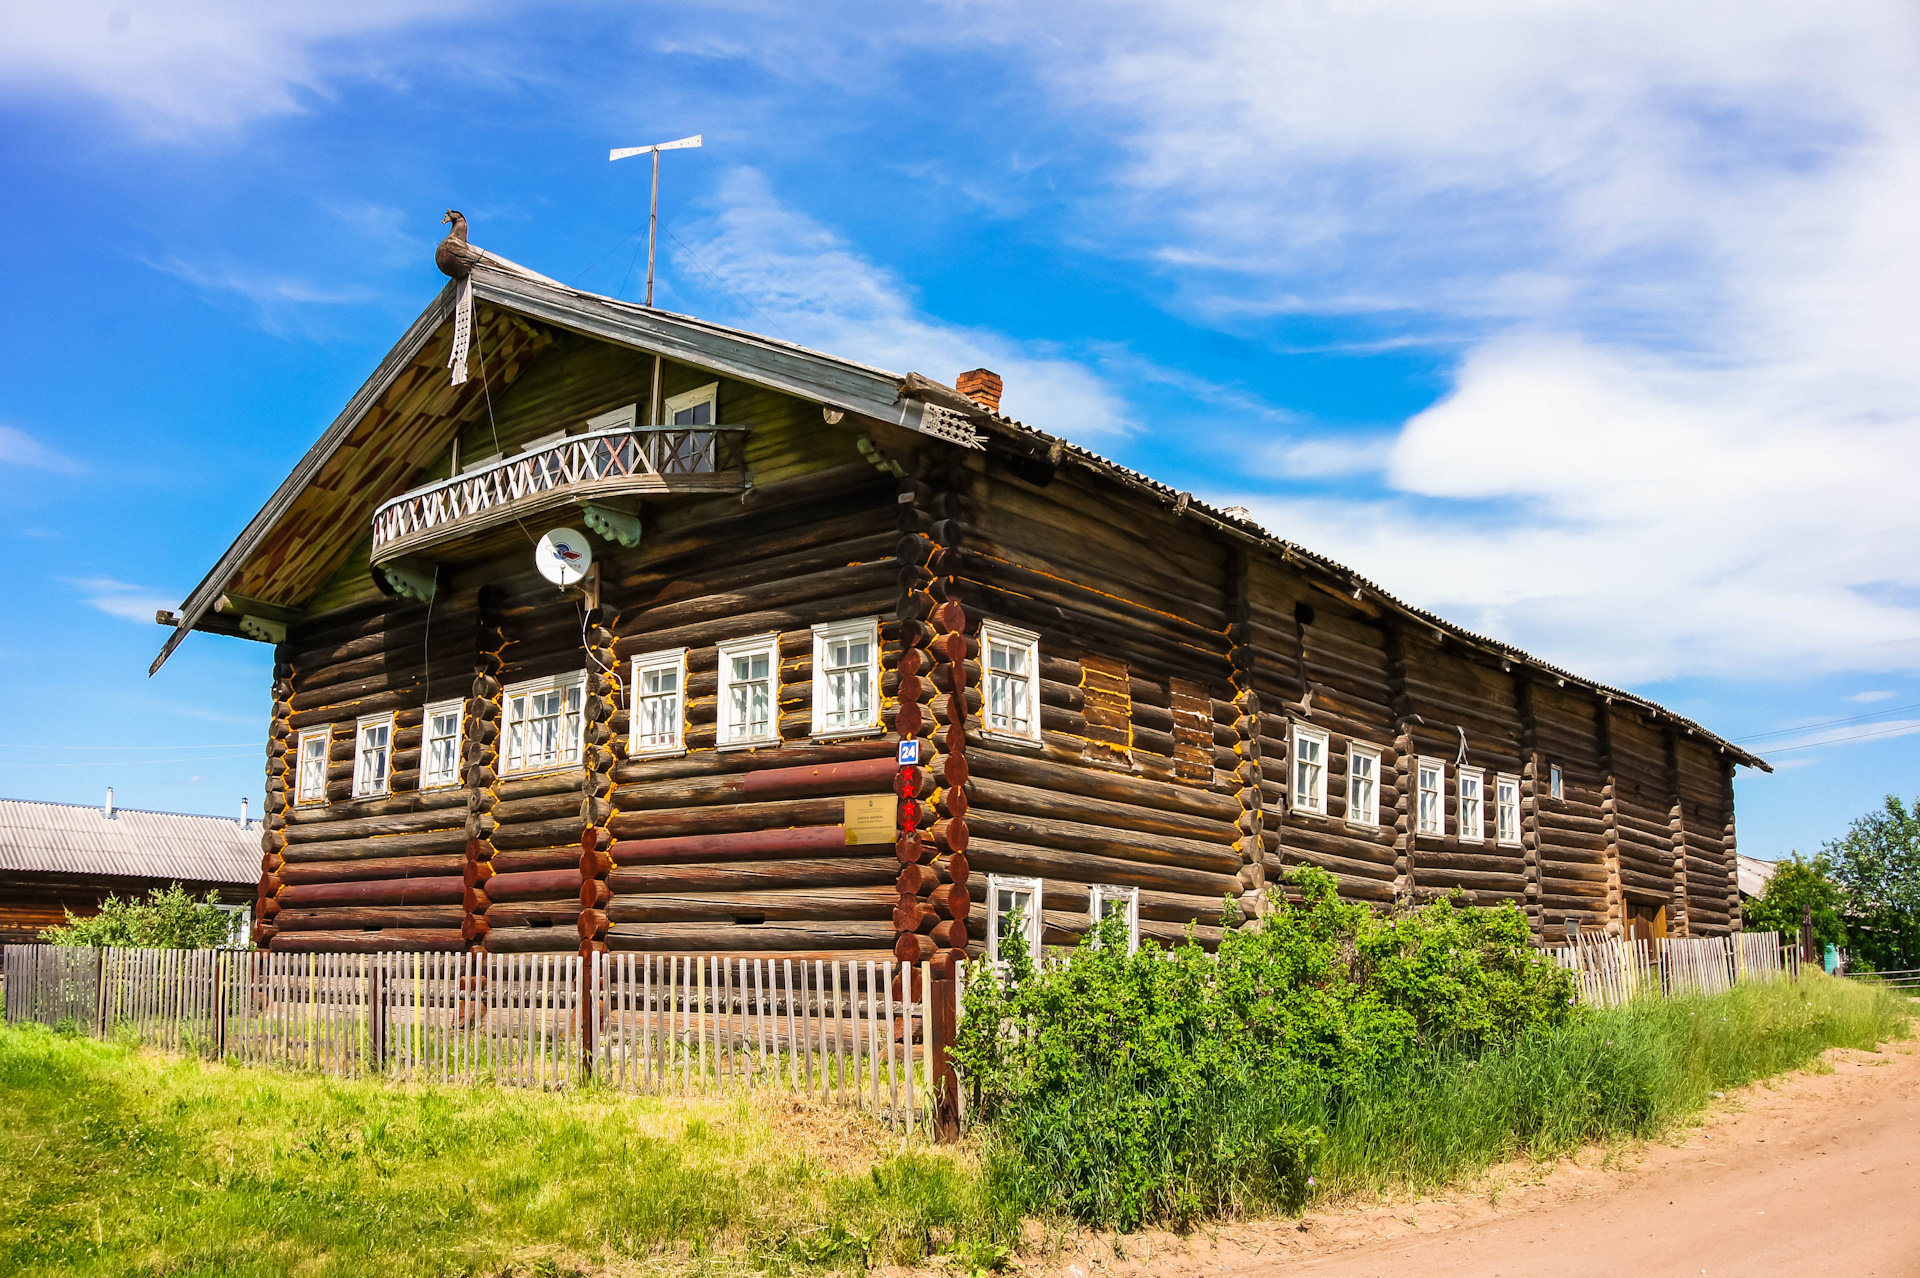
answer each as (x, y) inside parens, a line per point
(68, 838)
(1755, 874)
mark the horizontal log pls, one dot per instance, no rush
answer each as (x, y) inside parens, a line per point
(542, 807)
(413, 891)
(854, 776)
(1291, 854)
(824, 872)
(986, 794)
(522, 861)
(994, 856)
(533, 885)
(726, 818)
(799, 841)
(561, 915)
(1219, 858)
(986, 761)
(846, 904)
(537, 834)
(399, 867)
(552, 939)
(742, 938)
(420, 806)
(382, 848)
(342, 918)
(386, 940)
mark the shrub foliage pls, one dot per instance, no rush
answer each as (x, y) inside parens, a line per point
(1175, 1084)
(168, 919)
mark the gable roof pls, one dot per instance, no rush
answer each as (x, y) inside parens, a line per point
(70, 838)
(912, 402)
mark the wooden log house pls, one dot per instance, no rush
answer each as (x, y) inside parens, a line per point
(1124, 699)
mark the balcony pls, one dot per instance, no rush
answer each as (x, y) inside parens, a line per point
(603, 472)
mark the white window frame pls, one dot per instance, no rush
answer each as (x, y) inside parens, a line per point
(1556, 782)
(1438, 768)
(1129, 897)
(572, 725)
(317, 793)
(998, 632)
(1472, 828)
(626, 415)
(824, 636)
(1506, 799)
(1308, 793)
(638, 747)
(457, 707)
(767, 644)
(373, 765)
(1368, 812)
(708, 394)
(996, 883)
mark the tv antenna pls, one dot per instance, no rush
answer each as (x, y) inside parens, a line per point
(653, 216)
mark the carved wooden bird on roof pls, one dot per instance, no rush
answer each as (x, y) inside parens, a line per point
(455, 256)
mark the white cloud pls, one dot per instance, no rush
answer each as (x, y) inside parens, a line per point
(119, 599)
(176, 67)
(1882, 694)
(17, 448)
(1675, 241)
(805, 283)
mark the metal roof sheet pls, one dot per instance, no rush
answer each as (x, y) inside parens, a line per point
(68, 838)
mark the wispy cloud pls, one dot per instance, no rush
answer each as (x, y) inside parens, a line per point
(1879, 694)
(17, 448)
(279, 301)
(121, 599)
(779, 269)
(183, 67)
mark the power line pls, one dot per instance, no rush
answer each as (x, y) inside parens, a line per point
(1830, 723)
(127, 763)
(1898, 730)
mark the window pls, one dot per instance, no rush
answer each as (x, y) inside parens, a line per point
(695, 408)
(657, 722)
(1107, 901)
(1012, 661)
(1432, 815)
(311, 783)
(748, 678)
(846, 670)
(440, 762)
(1015, 908)
(1506, 809)
(1556, 783)
(1363, 785)
(1309, 769)
(544, 719)
(372, 755)
(1473, 805)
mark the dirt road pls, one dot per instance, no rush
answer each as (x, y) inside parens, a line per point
(1817, 1174)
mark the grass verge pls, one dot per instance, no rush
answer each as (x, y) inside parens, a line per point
(124, 1162)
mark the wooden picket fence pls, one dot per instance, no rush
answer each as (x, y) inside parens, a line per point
(1612, 972)
(851, 1033)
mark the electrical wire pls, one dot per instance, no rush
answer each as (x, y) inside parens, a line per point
(129, 763)
(725, 286)
(1903, 729)
(215, 745)
(1830, 723)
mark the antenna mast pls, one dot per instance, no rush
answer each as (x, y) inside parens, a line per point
(653, 210)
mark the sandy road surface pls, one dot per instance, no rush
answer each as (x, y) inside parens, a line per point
(1815, 1174)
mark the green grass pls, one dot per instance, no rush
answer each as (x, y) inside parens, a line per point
(124, 1162)
(1617, 1075)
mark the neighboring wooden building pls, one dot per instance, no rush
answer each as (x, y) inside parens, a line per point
(60, 857)
(802, 561)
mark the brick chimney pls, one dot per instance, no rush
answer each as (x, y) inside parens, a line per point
(982, 386)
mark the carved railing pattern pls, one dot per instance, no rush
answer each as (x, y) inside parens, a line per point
(637, 452)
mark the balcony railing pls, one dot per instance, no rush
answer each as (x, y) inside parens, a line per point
(626, 460)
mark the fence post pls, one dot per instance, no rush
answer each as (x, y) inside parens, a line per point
(100, 992)
(940, 1033)
(377, 1015)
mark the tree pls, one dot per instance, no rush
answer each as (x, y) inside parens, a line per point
(168, 919)
(1798, 884)
(1878, 863)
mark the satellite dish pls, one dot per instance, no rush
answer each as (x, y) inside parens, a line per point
(563, 556)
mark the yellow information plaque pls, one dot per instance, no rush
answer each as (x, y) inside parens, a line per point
(870, 818)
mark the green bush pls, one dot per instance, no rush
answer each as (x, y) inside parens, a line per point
(1175, 1085)
(168, 919)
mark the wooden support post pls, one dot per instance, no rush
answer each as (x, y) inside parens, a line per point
(1251, 823)
(1531, 877)
(1405, 767)
(1678, 922)
(1610, 818)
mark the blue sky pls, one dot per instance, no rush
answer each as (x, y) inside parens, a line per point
(1590, 326)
